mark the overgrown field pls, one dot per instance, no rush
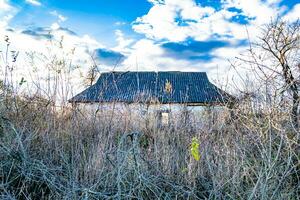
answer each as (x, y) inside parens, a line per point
(48, 154)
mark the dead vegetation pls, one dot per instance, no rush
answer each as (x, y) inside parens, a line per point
(46, 156)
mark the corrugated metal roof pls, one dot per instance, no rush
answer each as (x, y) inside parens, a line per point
(162, 87)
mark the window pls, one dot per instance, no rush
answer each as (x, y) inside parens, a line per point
(165, 118)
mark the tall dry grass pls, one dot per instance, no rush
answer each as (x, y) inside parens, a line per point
(47, 154)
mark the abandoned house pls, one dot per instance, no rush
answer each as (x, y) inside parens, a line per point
(163, 94)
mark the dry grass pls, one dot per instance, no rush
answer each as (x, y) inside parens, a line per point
(50, 155)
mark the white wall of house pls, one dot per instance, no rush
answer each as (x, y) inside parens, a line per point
(141, 114)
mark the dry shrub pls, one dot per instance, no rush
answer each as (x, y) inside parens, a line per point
(48, 154)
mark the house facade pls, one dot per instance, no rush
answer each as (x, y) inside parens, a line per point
(164, 95)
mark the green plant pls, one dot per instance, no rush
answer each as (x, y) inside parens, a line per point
(195, 149)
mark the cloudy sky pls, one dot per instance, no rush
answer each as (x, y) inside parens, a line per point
(198, 35)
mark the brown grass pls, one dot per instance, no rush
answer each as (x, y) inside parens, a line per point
(49, 155)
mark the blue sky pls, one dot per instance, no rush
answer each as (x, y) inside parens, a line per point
(198, 35)
(97, 18)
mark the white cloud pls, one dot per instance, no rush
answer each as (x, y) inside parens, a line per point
(77, 50)
(159, 23)
(123, 43)
(164, 20)
(4, 21)
(55, 26)
(156, 1)
(4, 5)
(262, 11)
(60, 17)
(34, 2)
(6, 13)
(146, 54)
(120, 23)
(44, 41)
(294, 14)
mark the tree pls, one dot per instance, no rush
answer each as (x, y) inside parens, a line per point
(282, 41)
(92, 75)
(276, 54)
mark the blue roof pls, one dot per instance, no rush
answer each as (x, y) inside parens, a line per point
(162, 87)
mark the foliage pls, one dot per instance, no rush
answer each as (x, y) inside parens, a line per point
(195, 149)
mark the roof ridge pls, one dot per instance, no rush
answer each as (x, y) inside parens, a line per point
(152, 72)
